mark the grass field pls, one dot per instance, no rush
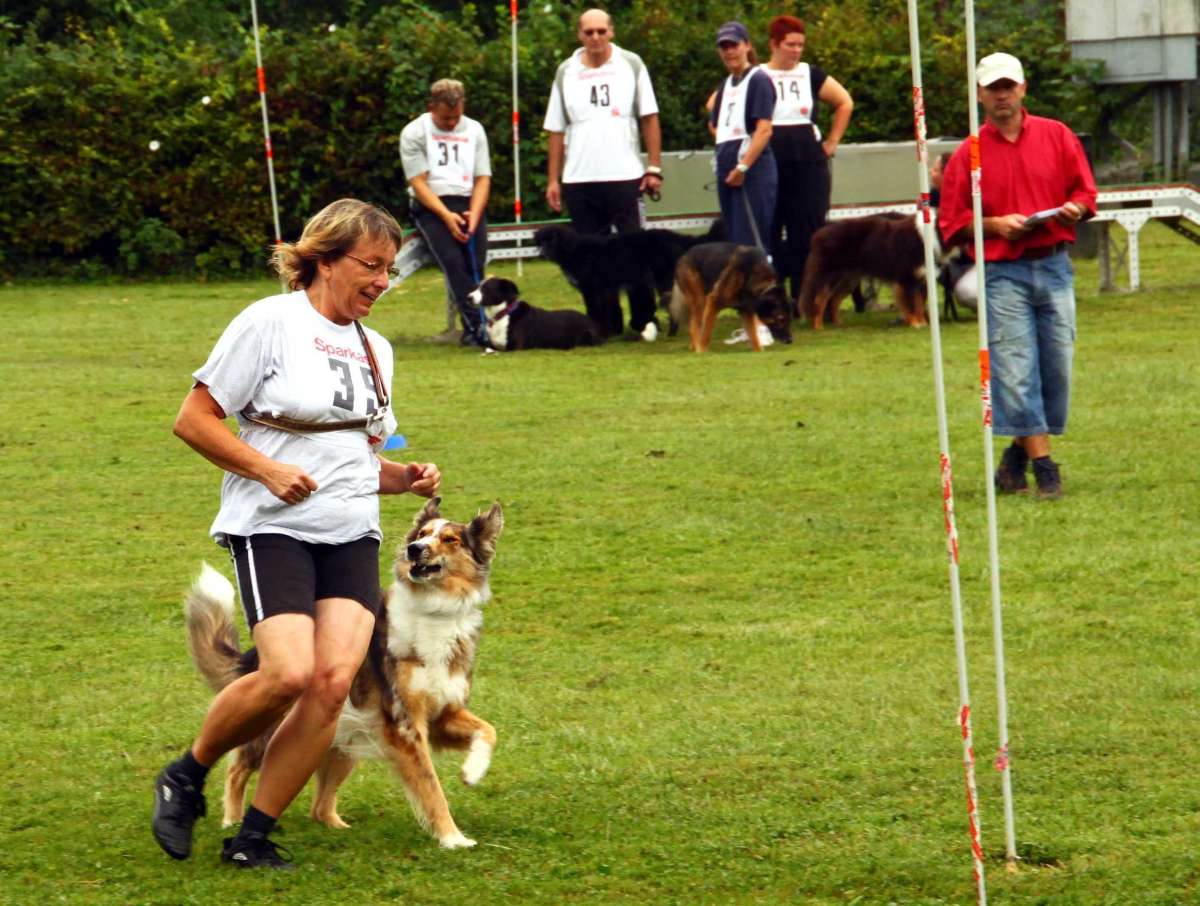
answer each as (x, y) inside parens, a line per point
(719, 656)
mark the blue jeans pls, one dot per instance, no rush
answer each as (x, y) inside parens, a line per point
(759, 189)
(1031, 341)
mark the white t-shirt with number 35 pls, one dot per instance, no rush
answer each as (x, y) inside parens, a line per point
(282, 358)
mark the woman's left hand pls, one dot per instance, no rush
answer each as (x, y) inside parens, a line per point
(830, 149)
(735, 177)
(423, 478)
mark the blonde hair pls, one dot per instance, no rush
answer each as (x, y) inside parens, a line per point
(330, 234)
(447, 91)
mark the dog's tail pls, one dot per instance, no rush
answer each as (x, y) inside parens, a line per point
(678, 307)
(212, 636)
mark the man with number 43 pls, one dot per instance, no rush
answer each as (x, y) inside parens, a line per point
(600, 98)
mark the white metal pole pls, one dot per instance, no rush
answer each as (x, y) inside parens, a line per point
(262, 96)
(516, 131)
(1003, 764)
(960, 648)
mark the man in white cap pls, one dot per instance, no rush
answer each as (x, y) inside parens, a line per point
(1029, 165)
(600, 98)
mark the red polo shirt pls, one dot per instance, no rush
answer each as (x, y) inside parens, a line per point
(1042, 169)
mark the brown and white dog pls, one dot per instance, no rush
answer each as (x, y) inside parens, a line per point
(719, 275)
(410, 695)
(888, 247)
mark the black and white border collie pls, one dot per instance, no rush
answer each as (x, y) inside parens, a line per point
(514, 324)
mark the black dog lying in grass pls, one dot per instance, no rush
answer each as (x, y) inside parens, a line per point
(514, 324)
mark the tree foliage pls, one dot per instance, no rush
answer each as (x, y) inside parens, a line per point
(86, 87)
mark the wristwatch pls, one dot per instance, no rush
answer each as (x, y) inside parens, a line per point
(742, 168)
(654, 171)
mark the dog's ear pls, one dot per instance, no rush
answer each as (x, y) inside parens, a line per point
(507, 288)
(483, 531)
(770, 302)
(431, 510)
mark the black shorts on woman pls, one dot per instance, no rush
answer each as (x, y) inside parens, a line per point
(281, 574)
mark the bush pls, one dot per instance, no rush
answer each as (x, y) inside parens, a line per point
(152, 247)
(80, 183)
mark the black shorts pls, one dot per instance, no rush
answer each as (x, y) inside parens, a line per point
(280, 574)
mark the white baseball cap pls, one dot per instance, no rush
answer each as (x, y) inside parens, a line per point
(997, 66)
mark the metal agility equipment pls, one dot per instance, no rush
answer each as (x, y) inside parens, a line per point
(1003, 763)
(262, 97)
(960, 649)
(516, 131)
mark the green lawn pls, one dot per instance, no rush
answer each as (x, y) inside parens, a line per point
(719, 656)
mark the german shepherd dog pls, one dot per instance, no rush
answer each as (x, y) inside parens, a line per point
(719, 275)
(642, 263)
(410, 695)
(888, 247)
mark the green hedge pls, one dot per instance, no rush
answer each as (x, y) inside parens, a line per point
(81, 192)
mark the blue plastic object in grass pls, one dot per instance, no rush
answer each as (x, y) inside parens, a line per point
(395, 442)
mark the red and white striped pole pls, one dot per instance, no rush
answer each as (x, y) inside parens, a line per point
(262, 96)
(516, 130)
(960, 648)
(1003, 764)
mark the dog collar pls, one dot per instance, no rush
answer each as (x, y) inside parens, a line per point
(503, 313)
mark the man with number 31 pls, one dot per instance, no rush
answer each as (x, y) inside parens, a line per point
(449, 173)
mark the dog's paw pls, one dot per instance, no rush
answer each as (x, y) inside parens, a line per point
(476, 764)
(456, 840)
(650, 332)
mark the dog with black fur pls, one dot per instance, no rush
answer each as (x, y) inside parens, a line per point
(718, 275)
(642, 263)
(512, 323)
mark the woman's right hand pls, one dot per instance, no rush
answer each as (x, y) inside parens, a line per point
(289, 483)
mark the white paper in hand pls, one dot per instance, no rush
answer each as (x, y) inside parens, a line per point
(1041, 217)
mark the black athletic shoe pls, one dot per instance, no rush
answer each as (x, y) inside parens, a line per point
(1049, 482)
(177, 805)
(251, 850)
(1010, 477)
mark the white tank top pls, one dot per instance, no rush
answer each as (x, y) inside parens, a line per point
(451, 155)
(793, 96)
(731, 122)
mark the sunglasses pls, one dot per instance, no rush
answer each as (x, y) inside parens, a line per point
(376, 267)
(594, 32)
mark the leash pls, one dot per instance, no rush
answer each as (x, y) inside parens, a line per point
(296, 426)
(753, 224)
(481, 328)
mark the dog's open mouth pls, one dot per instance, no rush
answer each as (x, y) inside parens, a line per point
(423, 570)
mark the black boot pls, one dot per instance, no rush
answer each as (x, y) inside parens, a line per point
(1049, 481)
(1010, 477)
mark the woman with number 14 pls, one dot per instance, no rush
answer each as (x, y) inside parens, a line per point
(801, 156)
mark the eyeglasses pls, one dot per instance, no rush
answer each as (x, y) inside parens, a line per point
(594, 32)
(376, 267)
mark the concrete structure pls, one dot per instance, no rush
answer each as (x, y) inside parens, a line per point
(1145, 41)
(862, 174)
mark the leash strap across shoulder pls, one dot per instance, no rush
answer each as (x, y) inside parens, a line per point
(296, 426)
